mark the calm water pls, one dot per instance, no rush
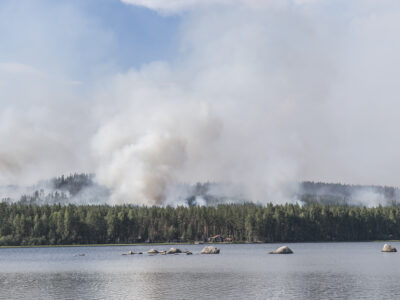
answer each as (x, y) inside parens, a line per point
(314, 271)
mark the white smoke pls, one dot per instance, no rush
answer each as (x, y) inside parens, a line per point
(368, 198)
(260, 98)
(214, 115)
(148, 145)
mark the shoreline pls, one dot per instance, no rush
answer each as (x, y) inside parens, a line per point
(166, 244)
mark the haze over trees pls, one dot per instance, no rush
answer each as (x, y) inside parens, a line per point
(74, 188)
(82, 189)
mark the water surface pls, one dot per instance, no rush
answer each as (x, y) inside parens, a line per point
(314, 271)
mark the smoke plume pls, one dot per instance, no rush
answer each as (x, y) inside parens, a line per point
(259, 94)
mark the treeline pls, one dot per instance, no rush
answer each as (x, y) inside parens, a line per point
(72, 189)
(83, 189)
(339, 194)
(24, 224)
(73, 183)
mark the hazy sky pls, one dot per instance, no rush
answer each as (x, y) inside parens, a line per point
(52, 53)
(148, 93)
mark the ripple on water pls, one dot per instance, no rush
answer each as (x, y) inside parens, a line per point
(315, 271)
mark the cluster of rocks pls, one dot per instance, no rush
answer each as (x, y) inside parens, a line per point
(170, 251)
(287, 250)
(206, 250)
(214, 250)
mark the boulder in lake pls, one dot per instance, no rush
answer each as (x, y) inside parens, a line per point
(152, 251)
(210, 250)
(388, 248)
(282, 250)
(174, 251)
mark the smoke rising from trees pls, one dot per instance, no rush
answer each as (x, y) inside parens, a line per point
(260, 96)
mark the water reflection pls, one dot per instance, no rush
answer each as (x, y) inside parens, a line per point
(322, 271)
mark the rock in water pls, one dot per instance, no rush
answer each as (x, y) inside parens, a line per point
(152, 251)
(210, 250)
(174, 251)
(388, 248)
(282, 250)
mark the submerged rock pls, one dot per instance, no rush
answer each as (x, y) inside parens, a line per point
(153, 251)
(131, 253)
(388, 248)
(210, 250)
(174, 251)
(282, 250)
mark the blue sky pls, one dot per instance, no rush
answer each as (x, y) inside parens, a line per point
(141, 35)
(80, 37)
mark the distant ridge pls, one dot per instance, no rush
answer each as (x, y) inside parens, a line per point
(81, 188)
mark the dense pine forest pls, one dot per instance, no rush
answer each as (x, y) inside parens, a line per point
(27, 224)
(72, 210)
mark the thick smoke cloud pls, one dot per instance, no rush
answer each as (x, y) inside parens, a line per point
(156, 132)
(261, 95)
(260, 105)
(38, 136)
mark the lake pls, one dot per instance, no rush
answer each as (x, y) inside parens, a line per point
(314, 271)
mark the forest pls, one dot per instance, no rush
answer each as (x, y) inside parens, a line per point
(83, 189)
(31, 224)
(72, 210)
